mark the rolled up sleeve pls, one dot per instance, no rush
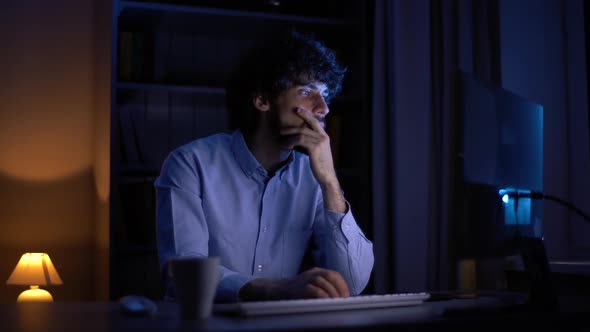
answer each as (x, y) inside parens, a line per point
(343, 247)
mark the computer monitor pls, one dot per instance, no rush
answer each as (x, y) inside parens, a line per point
(498, 149)
(497, 146)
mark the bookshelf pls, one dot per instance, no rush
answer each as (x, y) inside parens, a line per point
(170, 60)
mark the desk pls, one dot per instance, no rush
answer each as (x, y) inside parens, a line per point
(105, 316)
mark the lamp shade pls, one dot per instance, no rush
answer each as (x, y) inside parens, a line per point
(34, 269)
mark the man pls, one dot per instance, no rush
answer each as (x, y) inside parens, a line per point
(261, 196)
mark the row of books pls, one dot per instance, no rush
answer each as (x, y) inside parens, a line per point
(151, 124)
(178, 58)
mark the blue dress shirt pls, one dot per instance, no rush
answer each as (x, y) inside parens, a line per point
(215, 199)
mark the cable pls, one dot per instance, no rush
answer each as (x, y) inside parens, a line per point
(538, 195)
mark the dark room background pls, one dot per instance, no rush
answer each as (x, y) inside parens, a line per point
(58, 98)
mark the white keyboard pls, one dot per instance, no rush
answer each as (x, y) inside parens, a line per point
(258, 308)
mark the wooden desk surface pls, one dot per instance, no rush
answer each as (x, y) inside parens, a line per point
(105, 316)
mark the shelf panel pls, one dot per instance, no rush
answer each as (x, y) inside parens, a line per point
(224, 23)
(150, 8)
(134, 86)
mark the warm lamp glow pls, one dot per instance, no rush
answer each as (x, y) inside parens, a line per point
(34, 269)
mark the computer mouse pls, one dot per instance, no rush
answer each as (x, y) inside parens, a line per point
(137, 306)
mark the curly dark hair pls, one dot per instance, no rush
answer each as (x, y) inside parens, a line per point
(294, 58)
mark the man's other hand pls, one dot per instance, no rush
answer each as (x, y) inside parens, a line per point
(314, 283)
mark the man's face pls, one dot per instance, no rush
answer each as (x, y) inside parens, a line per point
(310, 97)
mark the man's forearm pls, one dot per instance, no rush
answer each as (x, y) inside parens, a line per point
(257, 290)
(333, 196)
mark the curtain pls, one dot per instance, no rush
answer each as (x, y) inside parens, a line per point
(417, 47)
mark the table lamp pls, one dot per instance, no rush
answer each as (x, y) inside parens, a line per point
(34, 269)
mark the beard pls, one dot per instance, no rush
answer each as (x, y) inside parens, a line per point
(276, 125)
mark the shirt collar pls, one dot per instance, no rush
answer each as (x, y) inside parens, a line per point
(248, 163)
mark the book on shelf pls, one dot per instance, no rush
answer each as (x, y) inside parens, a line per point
(152, 123)
(129, 142)
(136, 56)
(125, 55)
(143, 53)
(182, 119)
(132, 130)
(181, 59)
(156, 141)
(212, 116)
(161, 54)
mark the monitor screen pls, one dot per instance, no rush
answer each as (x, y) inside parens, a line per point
(498, 147)
(502, 137)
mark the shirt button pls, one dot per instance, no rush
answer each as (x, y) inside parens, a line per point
(259, 268)
(265, 229)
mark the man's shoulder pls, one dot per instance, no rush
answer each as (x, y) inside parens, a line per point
(214, 142)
